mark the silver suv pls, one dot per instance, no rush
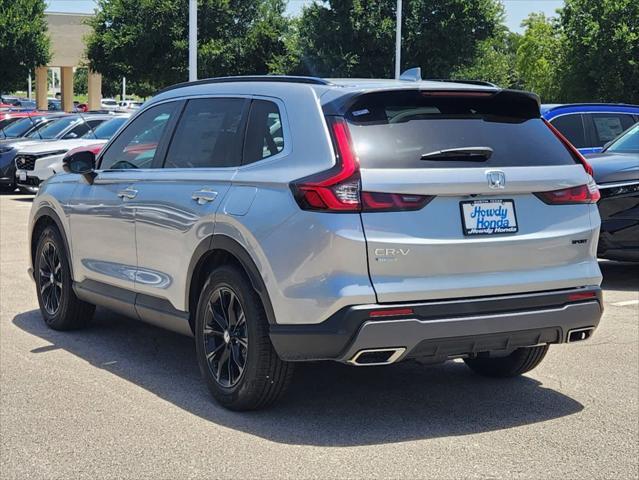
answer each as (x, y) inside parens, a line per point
(285, 219)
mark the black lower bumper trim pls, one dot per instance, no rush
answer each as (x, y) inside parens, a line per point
(331, 338)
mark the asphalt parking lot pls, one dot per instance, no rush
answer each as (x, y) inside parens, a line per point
(125, 400)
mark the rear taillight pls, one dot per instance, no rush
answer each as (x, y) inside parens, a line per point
(336, 189)
(567, 196)
(339, 188)
(573, 151)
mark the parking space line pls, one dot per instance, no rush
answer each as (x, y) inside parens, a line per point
(625, 303)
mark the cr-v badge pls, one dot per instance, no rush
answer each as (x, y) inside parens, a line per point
(496, 179)
(390, 254)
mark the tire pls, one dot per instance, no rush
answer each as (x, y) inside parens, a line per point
(60, 308)
(238, 363)
(517, 363)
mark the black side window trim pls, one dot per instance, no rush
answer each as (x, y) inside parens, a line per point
(180, 114)
(162, 146)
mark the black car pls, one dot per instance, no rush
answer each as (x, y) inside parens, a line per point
(616, 171)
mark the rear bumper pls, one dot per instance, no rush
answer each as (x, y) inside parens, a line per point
(439, 330)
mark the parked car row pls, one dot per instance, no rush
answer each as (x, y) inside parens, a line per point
(38, 140)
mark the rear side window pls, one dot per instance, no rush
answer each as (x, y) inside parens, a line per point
(572, 127)
(608, 126)
(414, 129)
(209, 134)
(264, 136)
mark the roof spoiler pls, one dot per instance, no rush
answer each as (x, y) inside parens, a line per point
(525, 104)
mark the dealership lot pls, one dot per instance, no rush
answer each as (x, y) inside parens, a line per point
(124, 400)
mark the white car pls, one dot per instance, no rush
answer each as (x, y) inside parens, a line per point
(40, 160)
(109, 104)
(129, 105)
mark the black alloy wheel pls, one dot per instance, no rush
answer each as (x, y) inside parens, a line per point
(225, 337)
(50, 273)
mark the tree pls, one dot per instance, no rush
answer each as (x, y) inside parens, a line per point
(601, 50)
(495, 61)
(148, 41)
(24, 44)
(356, 38)
(539, 57)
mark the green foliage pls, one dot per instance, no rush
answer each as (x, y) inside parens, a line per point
(495, 61)
(356, 38)
(591, 52)
(600, 40)
(539, 57)
(24, 44)
(147, 41)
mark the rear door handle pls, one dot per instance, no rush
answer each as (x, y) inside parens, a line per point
(204, 196)
(127, 193)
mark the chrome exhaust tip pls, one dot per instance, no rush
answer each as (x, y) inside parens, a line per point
(376, 356)
(579, 334)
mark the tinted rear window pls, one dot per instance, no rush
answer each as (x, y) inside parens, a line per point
(394, 130)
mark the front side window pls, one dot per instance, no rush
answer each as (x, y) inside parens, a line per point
(571, 126)
(208, 135)
(264, 136)
(137, 146)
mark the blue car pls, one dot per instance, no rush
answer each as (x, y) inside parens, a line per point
(589, 126)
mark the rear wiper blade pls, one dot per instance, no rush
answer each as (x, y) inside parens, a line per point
(471, 154)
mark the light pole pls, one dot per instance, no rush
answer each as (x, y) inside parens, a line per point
(192, 40)
(398, 41)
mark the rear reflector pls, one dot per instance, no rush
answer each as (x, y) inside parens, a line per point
(575, 153)
(570, 196)
(385, 202)
(573, 297)
(391, 312)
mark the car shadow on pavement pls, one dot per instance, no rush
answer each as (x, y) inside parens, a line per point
(622, 276)
(328, 404)
(25, 199)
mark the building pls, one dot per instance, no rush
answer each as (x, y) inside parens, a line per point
(67, 32)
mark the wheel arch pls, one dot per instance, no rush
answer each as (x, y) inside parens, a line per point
(47, 216)
(218, 250)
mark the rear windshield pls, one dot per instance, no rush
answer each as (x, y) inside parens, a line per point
(413, 129)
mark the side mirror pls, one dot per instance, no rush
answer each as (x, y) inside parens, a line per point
(82, 163)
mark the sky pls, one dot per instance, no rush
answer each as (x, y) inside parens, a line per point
(516, 10)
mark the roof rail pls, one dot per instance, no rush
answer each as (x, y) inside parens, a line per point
(251, 78)
(469, 82)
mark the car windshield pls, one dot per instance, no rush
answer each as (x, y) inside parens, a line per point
(55, 128)
(18, 128)
(106, 130)
(627, 143)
